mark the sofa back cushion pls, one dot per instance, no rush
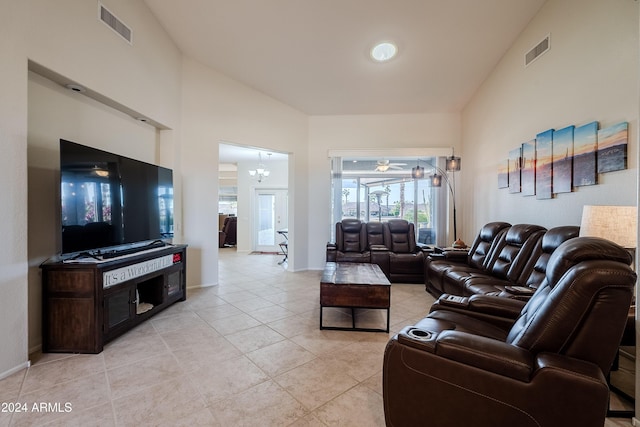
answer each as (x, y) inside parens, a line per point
(482, 246)
(350, 235)
(586, 294)
(535, 270)
(508, 261)
(400, 236)
(375, 234)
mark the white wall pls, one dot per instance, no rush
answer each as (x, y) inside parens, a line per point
(13, 179)
(55, 113)
(217, 108)
(590, 73)
(363, 132)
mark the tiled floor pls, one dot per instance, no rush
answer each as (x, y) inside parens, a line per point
(246, 352)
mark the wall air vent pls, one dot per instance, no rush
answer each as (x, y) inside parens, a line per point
(115, 24)
(537, 50)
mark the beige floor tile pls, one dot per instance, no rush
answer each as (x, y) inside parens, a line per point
(228, 377)
(237, 296)
(252, 304)
(280, 357)
(254, 338)
(316, 382)
(294, 325)
(166, 401)
(131, 379)
(45, 375)
(131, 348)
(209, 351)
(360, 360)
(182, 338)
(309, 420)
(232, 324)
(187, 319)
(10, 386)
(375, 383)
(99, 416)
(64, 399)
(325, 341)
(359, 406)
(268, 314)
(266, 404)
(219, 312)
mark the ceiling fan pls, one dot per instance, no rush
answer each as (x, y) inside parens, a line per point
(385, 165)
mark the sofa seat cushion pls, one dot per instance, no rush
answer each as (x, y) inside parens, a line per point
(353, 257)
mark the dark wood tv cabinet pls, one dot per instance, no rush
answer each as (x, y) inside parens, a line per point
(87, 304)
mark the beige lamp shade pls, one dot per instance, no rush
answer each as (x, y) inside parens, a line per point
(616, 223)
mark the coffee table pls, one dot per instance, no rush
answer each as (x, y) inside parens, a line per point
(354, 285)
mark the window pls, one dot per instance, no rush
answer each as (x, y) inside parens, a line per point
(380, 190)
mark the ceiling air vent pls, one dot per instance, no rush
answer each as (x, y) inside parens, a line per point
(537, 50)
(115, 24)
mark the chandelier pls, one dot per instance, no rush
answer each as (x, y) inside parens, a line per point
(261, 172)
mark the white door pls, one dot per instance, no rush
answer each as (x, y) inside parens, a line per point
(270, 217)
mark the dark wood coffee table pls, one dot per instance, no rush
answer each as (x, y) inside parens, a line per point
(354, 285)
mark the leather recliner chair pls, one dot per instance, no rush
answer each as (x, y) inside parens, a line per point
(404, 260)
(228, 235)
(491, 361)
(351, 242)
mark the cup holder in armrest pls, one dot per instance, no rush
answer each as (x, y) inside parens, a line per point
(419, 334)
(418, 338)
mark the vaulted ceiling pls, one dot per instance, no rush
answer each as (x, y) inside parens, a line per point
(314, 54)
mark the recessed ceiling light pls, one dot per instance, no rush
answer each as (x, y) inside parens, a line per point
(384, 51)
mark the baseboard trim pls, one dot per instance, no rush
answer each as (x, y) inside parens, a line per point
(12, 371)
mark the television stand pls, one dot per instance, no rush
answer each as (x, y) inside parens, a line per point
(89, 303)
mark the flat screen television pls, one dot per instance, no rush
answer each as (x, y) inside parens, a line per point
(111, 201)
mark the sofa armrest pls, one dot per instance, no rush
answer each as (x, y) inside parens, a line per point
(481, 304)
(332, 249)
(486, 354)
(380, 256)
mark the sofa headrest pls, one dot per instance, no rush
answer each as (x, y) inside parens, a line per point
(398, 225)
(558, 235)
(580, 249)
(374, 228)
(489, 231)
(519, 233)
(350, 225)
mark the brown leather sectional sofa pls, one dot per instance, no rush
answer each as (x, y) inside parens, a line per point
(392, 245)
(504, 260)
(490, 361)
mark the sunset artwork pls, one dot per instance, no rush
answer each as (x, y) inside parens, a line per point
(585, 148)
(503, 174)
(514, 170)
(558, 161)
(612, 148)
(528, 173)
(562, 149)
(544, 165)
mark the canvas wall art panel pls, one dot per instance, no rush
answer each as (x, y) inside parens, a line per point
(503, 174)
(544, 165)
(585, 149)
(563, 160)
(514, 170)
(612, 148)
(528, 174)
